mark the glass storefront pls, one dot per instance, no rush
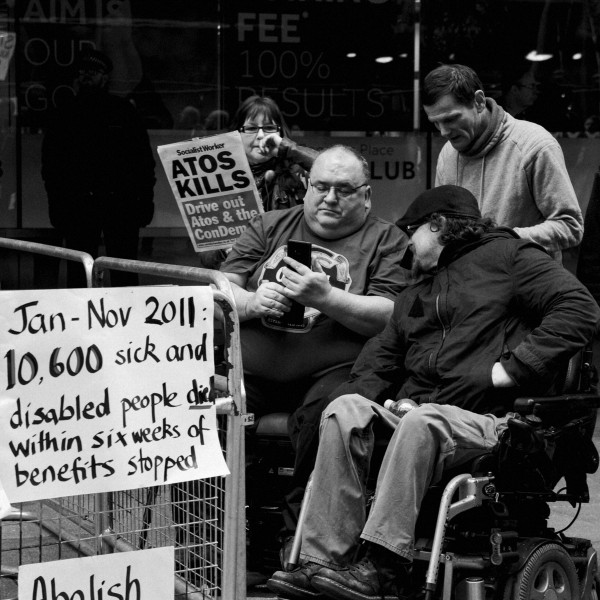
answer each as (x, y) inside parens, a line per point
(348, 69)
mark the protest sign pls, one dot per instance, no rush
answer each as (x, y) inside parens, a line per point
(214, 188)
(140, 575)
(106, 389)
(8, 41)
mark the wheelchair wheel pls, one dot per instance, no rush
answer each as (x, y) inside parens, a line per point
(548, 574)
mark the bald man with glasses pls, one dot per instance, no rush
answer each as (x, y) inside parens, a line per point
(347, 292)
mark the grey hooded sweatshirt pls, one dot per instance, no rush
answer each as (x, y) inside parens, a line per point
(517, 172)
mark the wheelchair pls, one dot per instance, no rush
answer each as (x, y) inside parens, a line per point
(268, 474)
(484, 534)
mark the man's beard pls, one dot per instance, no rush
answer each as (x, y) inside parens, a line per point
(418, 270)
(411, 263)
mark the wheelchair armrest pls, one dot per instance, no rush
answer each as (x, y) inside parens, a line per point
(552, 405)
(272, 425)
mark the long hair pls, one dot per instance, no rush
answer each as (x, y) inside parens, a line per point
(260, 105)
(459, 80)
(460, 229)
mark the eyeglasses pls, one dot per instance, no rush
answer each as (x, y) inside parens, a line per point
(410, 229)
(252, 129)
(340, 192)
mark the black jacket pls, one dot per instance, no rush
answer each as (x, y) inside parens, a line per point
(97, 144)
(497, 299)
(588, 264)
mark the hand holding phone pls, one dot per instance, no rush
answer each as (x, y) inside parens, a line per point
(300, 251)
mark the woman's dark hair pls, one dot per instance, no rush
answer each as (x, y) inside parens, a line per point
(460, 229)
(260, 105)
(459, 80)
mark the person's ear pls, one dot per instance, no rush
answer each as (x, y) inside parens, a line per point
(440, 225)
(368, 192)
(479, 100)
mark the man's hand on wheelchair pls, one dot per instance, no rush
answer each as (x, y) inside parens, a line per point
(400, 407)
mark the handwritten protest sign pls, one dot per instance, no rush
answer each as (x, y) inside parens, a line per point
(8, 41)
(145, 575)
(214, 188)
(106, 389)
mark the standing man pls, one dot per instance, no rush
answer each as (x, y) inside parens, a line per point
(98, 170)
(492, 318)
(515, 169)
(348, 292)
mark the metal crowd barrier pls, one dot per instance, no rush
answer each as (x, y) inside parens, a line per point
(210, 514)
(85, 259)
(204, 519)
(33, 532)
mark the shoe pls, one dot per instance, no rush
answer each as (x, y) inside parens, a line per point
(254, 578)
(365, 580)
(360, 581)
(296, 584)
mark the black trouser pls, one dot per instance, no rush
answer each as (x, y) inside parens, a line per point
(305, 399)
(96, 215)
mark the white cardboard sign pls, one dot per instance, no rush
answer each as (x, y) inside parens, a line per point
(139, 575)
(106, 389)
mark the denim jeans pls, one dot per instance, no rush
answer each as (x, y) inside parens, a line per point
(425, 442)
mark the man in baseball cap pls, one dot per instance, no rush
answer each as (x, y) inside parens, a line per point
(434, 207)
(491, 318)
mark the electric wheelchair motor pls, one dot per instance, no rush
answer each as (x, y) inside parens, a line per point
(491, 536)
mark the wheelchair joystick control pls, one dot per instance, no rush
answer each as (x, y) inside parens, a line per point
(533, 420)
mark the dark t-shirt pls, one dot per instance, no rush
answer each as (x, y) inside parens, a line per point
(365, 262)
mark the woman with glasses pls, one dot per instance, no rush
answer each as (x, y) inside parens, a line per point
(279, 165)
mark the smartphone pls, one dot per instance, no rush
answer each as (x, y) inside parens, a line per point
(300, 251)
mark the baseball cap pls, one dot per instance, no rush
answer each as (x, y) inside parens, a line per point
(448, 200)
